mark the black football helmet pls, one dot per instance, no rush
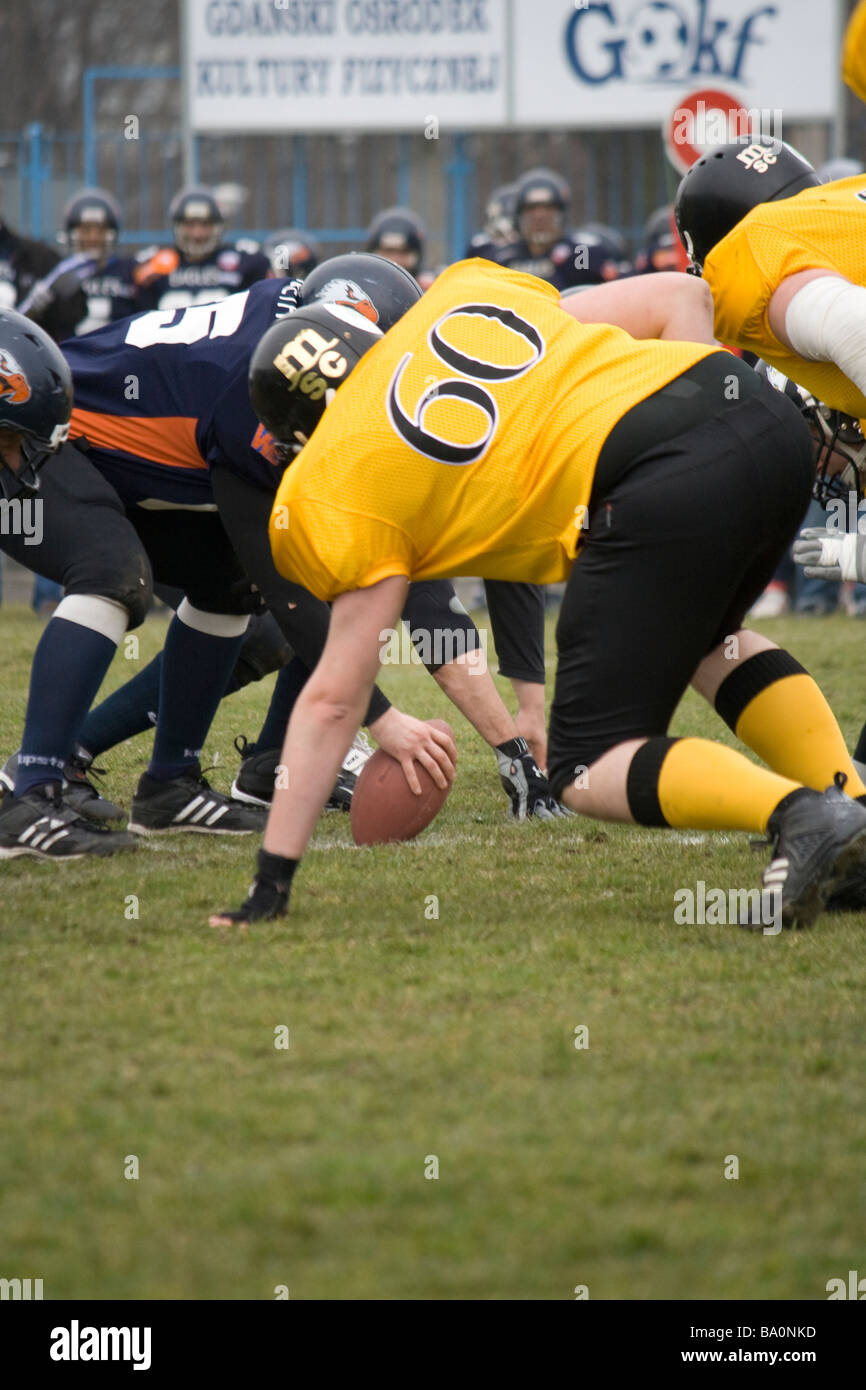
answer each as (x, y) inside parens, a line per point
(92, 210)
(660, 245)
(298, 365)
(607, 254)
(832, 170)
(541, 186)
(730, 180)
(292, 254)
(398, 233)
(537, 191)
(833, 432)
(35, 398)
(377, 288)
(500, 212)
(195, 205)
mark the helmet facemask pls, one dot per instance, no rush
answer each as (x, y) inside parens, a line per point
(83, 239)
(839, 436)
(34, 453)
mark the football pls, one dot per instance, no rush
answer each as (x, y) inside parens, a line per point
(383, 807)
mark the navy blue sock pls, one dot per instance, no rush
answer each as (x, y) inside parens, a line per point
(68, 668)
(195, 672)
(289, 684)
(129, 711)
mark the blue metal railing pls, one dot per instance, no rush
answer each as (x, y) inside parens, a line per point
(98, 74)
(329, 186)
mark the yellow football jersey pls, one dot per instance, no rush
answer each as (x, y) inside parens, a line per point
(854, 52)
(820, 227)
(465, 441)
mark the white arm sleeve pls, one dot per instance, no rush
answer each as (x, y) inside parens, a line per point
(826, 322)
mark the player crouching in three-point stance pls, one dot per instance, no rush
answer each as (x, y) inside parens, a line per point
(785, 258)
(491, 433)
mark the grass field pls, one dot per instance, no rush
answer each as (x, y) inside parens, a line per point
(410, 1037)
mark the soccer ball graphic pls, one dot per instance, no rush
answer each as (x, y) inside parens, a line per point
(656, 43)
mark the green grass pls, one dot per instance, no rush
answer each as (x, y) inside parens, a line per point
(412, 1037)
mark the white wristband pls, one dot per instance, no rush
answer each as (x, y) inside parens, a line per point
(840, 552)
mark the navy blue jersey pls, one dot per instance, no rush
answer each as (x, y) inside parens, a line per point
(22, 262)
(102, 290)
(565, 263)
(486, 247)
(167, 279)
(161, 396)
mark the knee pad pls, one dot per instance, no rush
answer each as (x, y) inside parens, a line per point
(130, 585)
(439, 625)
(264, 650)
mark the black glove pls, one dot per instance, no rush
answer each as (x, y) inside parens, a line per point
(525, 784)
(269, 893)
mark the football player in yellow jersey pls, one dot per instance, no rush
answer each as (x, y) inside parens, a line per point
(785, 258)
(490, 432)
(854, 52)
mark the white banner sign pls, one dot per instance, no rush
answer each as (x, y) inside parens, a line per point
(623, 62)
(418, 65)
(284, 65)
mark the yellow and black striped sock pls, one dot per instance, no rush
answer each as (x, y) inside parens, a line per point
(692, 783)
(775, 707)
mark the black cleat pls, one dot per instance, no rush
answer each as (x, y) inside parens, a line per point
(190, 803)
(78, 791)
(43, 824)
(849, 894)
(818, 841)
(258, 772)
(256, 776)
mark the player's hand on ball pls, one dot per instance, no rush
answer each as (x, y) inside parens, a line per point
(527, 788)
(413, 740)
(826, 554)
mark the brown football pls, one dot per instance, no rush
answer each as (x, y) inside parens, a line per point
(383, 807)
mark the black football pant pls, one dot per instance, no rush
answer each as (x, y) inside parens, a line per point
(93, 544)
(683, 537)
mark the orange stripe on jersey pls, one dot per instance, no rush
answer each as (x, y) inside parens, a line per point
(168, 439)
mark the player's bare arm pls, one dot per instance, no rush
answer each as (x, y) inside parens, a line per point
(330, 710)
(327, 715)
(667, 305)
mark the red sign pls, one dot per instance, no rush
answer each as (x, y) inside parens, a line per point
(701, 120)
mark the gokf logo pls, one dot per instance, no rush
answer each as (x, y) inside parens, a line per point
(662, 42)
